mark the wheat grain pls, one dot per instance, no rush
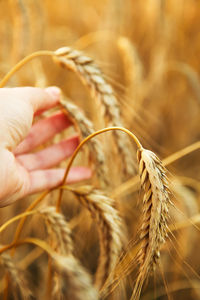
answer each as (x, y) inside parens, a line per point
(86, 128)
(110, 227)
(153, 231)
(57, 224)
(61, 241)
(91, 75)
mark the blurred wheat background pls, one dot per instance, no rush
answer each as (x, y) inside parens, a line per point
(149, 52)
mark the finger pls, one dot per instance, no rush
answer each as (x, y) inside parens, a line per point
(40, 99)
(42, 131)
(46, 179)
(50, 156)
(17, 111)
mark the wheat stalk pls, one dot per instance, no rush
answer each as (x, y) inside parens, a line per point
(153, 231)
(92, 76)
(77, 283)
(86, 128)
(18, 282)
(110, 227)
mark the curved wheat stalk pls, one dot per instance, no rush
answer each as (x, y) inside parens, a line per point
(110, 227)
(86, 128)
(153, 231)
(91, 76)
(18, 281)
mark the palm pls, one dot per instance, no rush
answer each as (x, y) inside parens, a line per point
(25, 172)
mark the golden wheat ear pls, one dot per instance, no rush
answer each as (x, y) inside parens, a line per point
(57, 225)
(85, 126)
(110, 228)
(153, 231)
(91, 76)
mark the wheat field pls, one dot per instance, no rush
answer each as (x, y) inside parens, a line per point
(129, 76)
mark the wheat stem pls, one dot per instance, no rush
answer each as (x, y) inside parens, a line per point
(14, 219)
(22, 62)
(82, 144)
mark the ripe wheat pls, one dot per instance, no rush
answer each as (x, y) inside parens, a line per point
(153, 231)
(110, 227)
(57, 225)
(91, 75)
(86, 128)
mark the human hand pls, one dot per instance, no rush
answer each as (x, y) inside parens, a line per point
(23, 173)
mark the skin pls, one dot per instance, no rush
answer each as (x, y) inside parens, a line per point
(22, 171)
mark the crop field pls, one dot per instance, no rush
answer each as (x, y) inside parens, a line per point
(129, 75)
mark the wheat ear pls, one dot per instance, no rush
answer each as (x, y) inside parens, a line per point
(86, 128)
(133, 67)
(18, 283)
(57, 224)
(77, 283)
(110, 227)
(92, 76)
(153, 231)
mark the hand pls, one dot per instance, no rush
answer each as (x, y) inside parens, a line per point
(23, 173)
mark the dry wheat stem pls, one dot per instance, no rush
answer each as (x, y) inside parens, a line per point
(14, 219)
(110, 227)
(153, 231)
(86, 128)
(18, 282)
(91, 75)
(123, 130)
(21, 63)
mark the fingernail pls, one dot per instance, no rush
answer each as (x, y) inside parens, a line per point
(53, 91)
